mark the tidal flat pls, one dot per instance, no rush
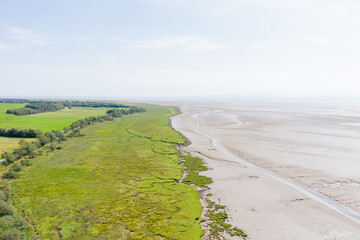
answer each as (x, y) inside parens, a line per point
(307, 152)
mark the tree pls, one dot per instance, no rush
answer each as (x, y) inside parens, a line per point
(51, 135)
(44, 140)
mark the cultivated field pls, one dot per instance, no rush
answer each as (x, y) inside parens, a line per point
(119, 181)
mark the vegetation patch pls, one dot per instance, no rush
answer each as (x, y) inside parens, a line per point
(215, 214)
(12, 226)
(109, 184)
(217, 218)
(194, 163)
(194, 178)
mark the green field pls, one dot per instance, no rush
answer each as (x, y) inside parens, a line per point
(119, 181)
(9, 144)
(45, 121)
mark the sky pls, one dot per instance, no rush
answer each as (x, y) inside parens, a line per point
(180, 48)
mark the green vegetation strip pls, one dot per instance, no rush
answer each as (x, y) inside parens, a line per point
(216, 216)
(195, 165)
(12, 226)
(217, 222)
(110, 184)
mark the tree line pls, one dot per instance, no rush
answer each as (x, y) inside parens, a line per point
(93, 104)
(67, 103)
(14, 100)
(19, 133)
(34, 107)
(110, 115)
(121, 112)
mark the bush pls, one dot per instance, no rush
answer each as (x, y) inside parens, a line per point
(51, 135)
(16, 168)
(52, 147)
(44, 140)
(13, 227)
(25, 162)
(11, 234)
(10, 158)
(5, 163)
(10, 175)
(5, 208)
(3, 196)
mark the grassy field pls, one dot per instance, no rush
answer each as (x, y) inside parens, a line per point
(45, 121)
(9, 144)
(119, 181)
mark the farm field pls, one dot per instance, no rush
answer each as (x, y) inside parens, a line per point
(45, 121)
(119, 181)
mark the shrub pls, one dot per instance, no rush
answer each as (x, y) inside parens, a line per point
(3, 196)
(25, 162)
(10, 175)
(16, 168)
(5, 163)
(44, 140)
(52, 147)
(10, 158)
(51, 135)
(11, 234)
(5, 208)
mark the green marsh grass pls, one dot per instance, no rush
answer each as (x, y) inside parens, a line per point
(119, 181)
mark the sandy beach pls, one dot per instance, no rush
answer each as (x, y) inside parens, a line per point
(270, 159)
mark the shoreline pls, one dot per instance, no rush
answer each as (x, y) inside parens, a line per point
(204, 193)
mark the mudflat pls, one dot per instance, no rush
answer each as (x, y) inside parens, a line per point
(294, 150)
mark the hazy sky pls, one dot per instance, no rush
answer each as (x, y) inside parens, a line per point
(161, 48)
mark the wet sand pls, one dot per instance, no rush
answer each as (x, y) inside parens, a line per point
(313, 145)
